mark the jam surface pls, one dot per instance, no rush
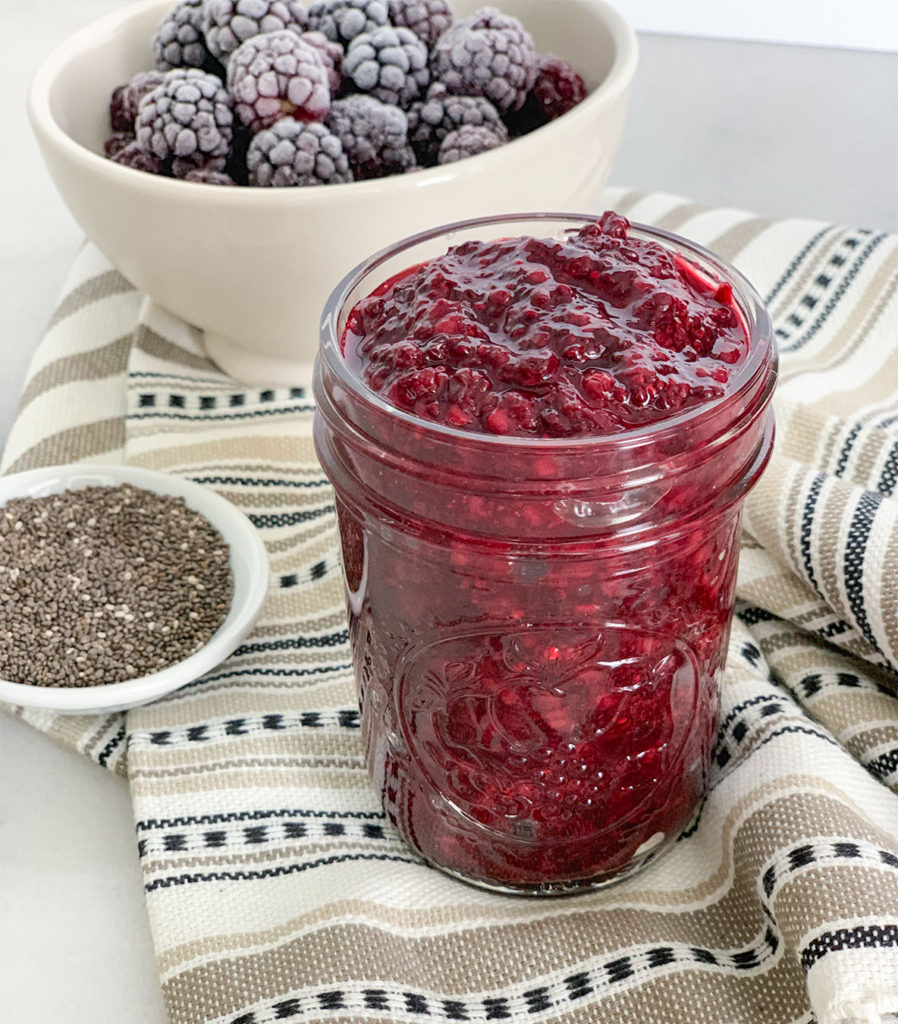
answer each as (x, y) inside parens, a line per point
(592, 334)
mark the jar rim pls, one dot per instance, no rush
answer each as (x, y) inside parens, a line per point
(761, 352)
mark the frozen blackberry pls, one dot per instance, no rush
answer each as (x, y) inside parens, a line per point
(374, 136)
(291, 152)
(126, 99)
(189, 117)
(117, 142)
(342, 20)
(135, 156)
(428, 19)
(181, 167)
(228, 23)
(389, 64)
(331, 55)
(488, 54)
(442, 112)
(203, 176)
(468, 141)
(272, 75)
(558, 87)
(180, 42)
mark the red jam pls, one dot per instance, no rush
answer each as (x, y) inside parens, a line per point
(594, 334)
(539, 620)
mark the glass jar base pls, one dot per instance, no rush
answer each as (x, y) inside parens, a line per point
(570, 887)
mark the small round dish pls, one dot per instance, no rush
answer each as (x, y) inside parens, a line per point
(249, 566)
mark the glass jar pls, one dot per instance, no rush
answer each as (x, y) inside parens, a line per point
(539, 626)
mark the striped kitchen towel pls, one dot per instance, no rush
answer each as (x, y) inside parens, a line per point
(277, 891)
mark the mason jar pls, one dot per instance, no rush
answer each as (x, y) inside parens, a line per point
(539, 626)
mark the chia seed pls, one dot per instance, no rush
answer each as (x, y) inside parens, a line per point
(105, 584)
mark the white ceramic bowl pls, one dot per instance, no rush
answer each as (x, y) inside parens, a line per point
(249, 566)
(253, 266)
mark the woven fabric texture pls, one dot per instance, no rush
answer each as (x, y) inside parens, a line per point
(277, 890)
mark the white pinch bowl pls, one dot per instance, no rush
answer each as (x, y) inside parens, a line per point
(253, 267)
(249, 568)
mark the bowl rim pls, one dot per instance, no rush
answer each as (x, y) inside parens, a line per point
(246, 601)
(44, 124)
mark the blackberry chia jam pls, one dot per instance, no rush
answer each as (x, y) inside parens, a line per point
(540, 441)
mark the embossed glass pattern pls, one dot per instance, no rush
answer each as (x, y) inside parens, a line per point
(539, 627)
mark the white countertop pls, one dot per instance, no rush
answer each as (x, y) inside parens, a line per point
(778, 129)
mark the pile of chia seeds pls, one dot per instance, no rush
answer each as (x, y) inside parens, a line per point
(105, 584)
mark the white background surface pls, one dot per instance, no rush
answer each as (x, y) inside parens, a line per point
(781, 130)
(863, 24)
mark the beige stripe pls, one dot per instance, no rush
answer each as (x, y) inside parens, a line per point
(847, 891)
(167, 424)
(814, 654)
(266, 688)
(92, 290)
(238, 778)
(449, 965)
(739, 237)
(108, 361)
(197, 385)
(676, 994)
(877, 392)
(818, 617)
(278, 497)
(154, 344)
(799, 480)
(189, 456)
(865, 455)
(269, 470)
(322, 545)
(678, 216)
(888, 597)
(73, 445)
(293, 542)
(831, 508)
(852, 643)
(269, 748)
(882, 730)
(310, 625)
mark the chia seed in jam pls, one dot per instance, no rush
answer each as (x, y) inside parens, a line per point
(539, 447)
